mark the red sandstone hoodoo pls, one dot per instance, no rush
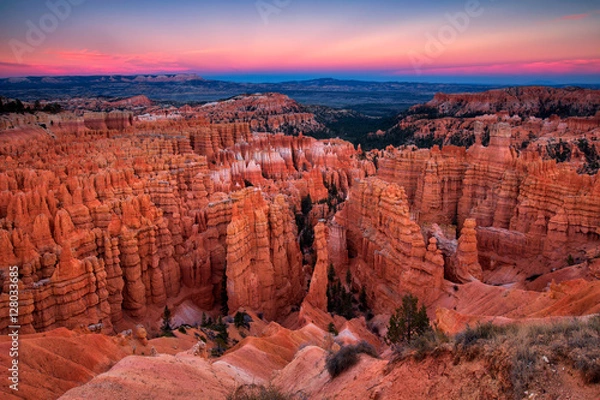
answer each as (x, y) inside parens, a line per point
(110, 216)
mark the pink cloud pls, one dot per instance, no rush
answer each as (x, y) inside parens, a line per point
(83, 54)
(555, 67)
(84, 61)
(576, 17)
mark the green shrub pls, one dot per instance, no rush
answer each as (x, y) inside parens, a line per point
(594, 324)
(366, 348)
(589, 366)
(217, 352)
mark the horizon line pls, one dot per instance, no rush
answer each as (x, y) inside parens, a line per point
(279, 78)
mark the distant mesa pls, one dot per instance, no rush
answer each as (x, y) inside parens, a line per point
(18, 80)
(166, 78)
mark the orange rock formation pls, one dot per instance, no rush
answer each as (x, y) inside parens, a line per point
(105, 219)
(110, 216)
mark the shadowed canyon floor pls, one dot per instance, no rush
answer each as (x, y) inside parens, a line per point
(272, 249)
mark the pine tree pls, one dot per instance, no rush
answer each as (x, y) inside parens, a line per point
(339, 300)
(422, 324)
(394, 333)
(221, 339)
(221, 329)
(240, 320)
(362, 300)
(408, 322)
(166, 329)
(346, 309)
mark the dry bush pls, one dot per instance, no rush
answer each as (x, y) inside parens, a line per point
(526, 364)
(431, 343)
(257, 392)
(517, 355)
(486, 331)
(347, 357)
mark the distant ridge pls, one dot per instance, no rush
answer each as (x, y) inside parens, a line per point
(368, 97)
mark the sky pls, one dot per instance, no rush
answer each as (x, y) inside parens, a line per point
(463, 41)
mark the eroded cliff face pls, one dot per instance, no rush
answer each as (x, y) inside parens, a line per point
(530, 213)
(68, 122)
(264, 264)
(105, 220)
(317, 292)
(94, 236)
(555, 124)
(391, 257)
(432, 179)
(266, 112)
(532, 100)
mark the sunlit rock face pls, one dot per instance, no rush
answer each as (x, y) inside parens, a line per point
(529, 211)
(110, 215)
(394, 257)
(106, 215)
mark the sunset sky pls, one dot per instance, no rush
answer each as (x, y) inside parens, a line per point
(520, 41)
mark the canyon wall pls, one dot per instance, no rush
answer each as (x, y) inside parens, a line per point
(529, 212)
(264, 264)
(391, 256)
(105, 220)
(532, 100)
